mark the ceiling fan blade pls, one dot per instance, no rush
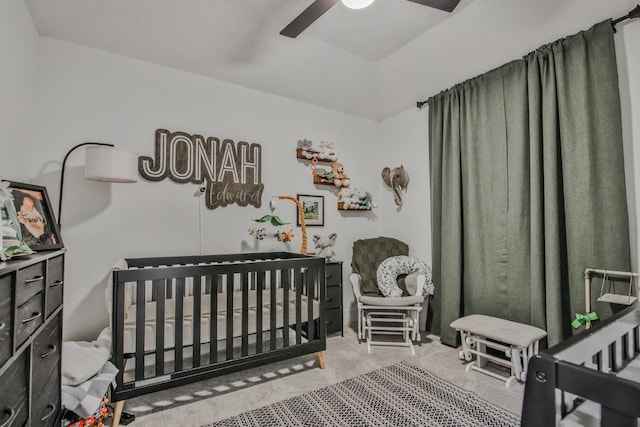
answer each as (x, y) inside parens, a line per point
(307, 17)
(446, 5)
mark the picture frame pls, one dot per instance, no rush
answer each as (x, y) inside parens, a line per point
(313, 208)
(37, 220)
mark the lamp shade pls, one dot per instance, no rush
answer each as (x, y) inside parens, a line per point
(357, 4)
(110, 164)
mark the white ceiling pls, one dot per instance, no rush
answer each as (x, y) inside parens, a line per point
(371, 63)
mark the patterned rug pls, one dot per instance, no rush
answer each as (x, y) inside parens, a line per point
(399, 395)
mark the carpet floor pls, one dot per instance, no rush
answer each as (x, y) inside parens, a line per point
(398, 395)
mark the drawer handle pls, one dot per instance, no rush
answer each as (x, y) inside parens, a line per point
(2, 325)
(52, 349)
(51, 412)
(329, 276)
(34, 279)
(56, 283)
(31, 319)
(12, 414)
(328, 300)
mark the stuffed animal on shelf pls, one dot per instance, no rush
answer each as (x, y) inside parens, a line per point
(344, 197)
(326, 147)
(340, 179)
(305, 144)
(325, 246)
(361, 199)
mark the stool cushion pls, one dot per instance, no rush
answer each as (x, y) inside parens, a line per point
(504, 331)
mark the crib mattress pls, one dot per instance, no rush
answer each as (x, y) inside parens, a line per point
(151, 324)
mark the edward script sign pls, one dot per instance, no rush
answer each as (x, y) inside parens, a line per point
(230, 172)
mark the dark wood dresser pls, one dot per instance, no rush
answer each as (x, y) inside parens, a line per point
(31, 290)
(333, 276)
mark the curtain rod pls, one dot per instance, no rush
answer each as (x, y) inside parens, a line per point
(635, 13)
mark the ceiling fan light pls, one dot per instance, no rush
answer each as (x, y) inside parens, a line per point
(357, 4)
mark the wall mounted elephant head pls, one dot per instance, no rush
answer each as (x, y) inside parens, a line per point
(397, 179)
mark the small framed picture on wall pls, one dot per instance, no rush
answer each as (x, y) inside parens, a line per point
(35, 214)
(313, 208)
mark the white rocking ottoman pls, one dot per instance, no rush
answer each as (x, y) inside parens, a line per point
(519, 342)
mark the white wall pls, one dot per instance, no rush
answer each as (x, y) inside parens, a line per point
(89, 95)
(19, 53)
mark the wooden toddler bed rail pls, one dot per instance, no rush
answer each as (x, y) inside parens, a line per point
(176, 320)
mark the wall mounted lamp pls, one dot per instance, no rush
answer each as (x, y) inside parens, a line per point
(103, 162)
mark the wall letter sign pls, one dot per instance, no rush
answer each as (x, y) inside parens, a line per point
(231, 172)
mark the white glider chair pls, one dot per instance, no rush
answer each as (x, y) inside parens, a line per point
(382, 315)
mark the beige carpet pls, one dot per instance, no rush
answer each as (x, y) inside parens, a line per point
(345, 358)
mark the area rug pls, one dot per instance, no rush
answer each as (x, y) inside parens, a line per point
(398, 395)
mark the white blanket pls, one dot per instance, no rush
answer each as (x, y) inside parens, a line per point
(82, 360)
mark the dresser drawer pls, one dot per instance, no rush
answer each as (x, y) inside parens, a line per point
(5, 331)
(333, 274)
(5, 318)
(333, 297)
(28, 318)
(334, 320)
(46, 401)
(55, 280)
(46, 351)
(14, 410)
(29, 281)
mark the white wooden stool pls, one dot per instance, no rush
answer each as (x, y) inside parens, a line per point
(519, 342)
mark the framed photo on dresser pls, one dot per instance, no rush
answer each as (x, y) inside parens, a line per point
(37, 221)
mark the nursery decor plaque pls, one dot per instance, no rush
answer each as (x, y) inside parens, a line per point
(230, 172)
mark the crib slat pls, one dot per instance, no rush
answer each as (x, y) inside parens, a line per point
(140, 329)
(245, 314)
(298, 287)
(229, 345)
(272, 311)
(179, 324)
(213, 318)
(117, 319)
(197, 319)
(286, 284)
(310, 286)
(159, 287)
(259, 289)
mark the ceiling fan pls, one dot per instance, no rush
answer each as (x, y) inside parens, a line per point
(319, 7)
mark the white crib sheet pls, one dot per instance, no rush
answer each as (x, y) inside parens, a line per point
(205, 322)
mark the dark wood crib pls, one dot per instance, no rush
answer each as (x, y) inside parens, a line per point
(176, 320)
(591, 379)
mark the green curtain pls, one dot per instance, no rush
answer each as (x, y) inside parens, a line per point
(527, 186)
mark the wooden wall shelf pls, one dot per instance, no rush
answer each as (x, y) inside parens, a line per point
(321, 156)
(342, 208)
(321, 181)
